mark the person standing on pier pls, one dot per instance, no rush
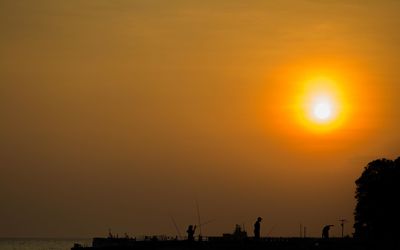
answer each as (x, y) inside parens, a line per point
(257, 228)
(325, 231)
(190, 231)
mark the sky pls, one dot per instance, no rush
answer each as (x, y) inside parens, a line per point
(125, 114)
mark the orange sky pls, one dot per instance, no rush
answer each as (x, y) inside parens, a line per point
(119, 114)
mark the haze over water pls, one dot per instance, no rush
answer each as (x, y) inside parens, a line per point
(121, 114)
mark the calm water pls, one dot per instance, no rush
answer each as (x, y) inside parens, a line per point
(41, 244)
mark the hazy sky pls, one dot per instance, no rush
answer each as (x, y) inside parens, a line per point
(120, 114)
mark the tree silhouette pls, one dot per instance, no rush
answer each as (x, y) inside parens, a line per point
(377, 213)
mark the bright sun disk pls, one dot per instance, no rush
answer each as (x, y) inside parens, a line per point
(320, 104)
(322, 110)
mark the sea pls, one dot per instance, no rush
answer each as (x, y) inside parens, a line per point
(41, 244)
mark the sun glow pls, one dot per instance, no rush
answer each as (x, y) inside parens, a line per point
(313, 100)
(321, 104)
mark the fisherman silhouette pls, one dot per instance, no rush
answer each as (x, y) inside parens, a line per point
(190, 231)
(257, 228)
(325, 231)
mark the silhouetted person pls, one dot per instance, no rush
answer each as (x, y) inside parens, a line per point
(257, 227)
(190, 231)
(325, 231)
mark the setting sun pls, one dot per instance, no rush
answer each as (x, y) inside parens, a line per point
(321, 105)
(322, 111)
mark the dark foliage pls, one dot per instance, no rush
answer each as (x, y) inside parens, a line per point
(377, 213)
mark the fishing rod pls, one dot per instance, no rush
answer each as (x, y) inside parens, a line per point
(198, 219)
(176, 227)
